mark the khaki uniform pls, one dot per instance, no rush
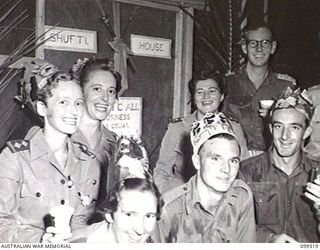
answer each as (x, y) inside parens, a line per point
(185, 220)
(242, 104)
(32, 182)
(280, 205)
(105, 152)
(174, 166)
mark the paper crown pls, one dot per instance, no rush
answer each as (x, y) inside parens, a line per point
(297, 99)
(208, 126)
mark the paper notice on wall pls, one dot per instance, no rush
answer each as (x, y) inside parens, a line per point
(126, 117)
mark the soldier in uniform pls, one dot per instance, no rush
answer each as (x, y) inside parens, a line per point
(174, 166)
(278, 177)
(254, 82)
(47, 168)
(100, 86)
(212, 206)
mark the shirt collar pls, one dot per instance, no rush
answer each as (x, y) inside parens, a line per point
(193, 197)
(303, 164)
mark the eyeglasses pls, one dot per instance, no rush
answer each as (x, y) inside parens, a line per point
(263, 43)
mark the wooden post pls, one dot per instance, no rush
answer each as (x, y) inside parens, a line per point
(40, 22)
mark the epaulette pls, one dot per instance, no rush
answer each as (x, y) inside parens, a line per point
(175, 193)
(86, 150)
(175, 120)
(18, 145)
(287, 78)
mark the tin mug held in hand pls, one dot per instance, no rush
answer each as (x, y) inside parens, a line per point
(60, 217)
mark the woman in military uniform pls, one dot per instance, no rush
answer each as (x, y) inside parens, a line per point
(47, 168)
(100, 86)
(174, 166)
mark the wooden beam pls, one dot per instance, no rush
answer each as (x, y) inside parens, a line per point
(40, 22)
(172, 5)
(150, 4)
(177, 90)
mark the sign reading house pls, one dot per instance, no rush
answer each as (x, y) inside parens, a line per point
(151, 46)
(126, 117)
(68, 39)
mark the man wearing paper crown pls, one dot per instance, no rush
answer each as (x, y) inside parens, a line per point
(212, 206)
(278, 178)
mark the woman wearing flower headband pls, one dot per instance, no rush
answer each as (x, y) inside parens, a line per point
(100, 86)
(131, 211)
(47, 169)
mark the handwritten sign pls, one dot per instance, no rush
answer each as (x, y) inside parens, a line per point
(126, 117)
(151, 46)
(68, 39)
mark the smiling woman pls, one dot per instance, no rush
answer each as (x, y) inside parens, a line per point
(44, 160)
(100, 84)
(131, 211)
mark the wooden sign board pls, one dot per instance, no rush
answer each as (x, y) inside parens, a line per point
(151, 46)
(126, 117)
(68, 39)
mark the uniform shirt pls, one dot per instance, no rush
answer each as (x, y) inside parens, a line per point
(184, 219)
(105, 152)
(279, 202)
(174, 166)
(32, 182)
(313, 147)
(242, 103)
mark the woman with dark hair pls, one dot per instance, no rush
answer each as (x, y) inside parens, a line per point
(47, 168)
(100, 85)
(131, 211)
(174, 166)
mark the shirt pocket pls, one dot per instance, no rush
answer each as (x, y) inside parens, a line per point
(241, 101)
(266, 202)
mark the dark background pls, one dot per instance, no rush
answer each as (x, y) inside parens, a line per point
(295, 24)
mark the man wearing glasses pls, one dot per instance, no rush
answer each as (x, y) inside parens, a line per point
(254, 82)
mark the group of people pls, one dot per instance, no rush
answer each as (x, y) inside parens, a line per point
(231, 171)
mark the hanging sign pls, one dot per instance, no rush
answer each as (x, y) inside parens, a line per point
(151, 46)
(68, 39)
(126, 117)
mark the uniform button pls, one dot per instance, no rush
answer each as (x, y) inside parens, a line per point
(62, 202)
(94, 182)
(38, 194)
(185, 188)
(63, 181)
(289, 203)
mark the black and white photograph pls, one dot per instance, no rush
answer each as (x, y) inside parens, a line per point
(159, 121)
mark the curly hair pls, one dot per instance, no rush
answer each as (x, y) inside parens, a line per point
(111, 203)
(52, 83)
(84, 67)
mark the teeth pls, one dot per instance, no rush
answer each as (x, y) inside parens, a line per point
(70, 121)
(101, 107)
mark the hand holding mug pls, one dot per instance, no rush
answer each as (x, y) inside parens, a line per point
(60, 230)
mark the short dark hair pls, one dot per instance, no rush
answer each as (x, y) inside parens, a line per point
(92, 65)
(205, 75)
(52, 83)
(110, 204)
(253, 27)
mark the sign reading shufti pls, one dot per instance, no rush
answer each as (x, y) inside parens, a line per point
(151, 46)
(71, 39)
